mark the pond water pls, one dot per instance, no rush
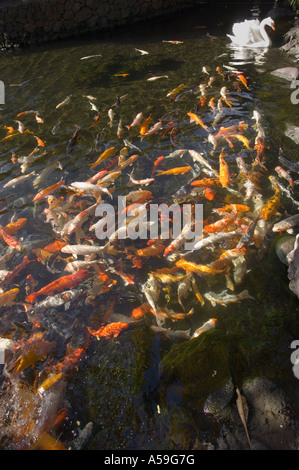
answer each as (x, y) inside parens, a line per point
(141, 388)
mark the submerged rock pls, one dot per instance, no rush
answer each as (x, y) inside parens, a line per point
(271, 423)
(293, 133)
(288, 73)
(283, 246)
(293, 271)
(217, 401)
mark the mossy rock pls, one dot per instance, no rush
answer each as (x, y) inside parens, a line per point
(201, 365)
(115, 391)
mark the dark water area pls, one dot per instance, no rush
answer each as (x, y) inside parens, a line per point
(141, 389)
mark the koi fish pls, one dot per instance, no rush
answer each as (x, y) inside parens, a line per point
(220, 224)
(142, 51)
(209, 194)
(271, 207)
(47, 383)
(56, 127)
(156, 164)
(137, 120)
(19, 179)
(173, 42)
(141, 311)
(224, 298)
(144, 182)
(242, 79)
(110, 330)
(284, 174)
(59, 285)
(205, 182)
(82, 249)
(175, 171)
(200, 269)
(73, 140)
(214, 238)
(13, 227)
(242, 139)
(154, 250)
(91, 189)
(65, 101)
(104, 155)
(171, 334)
(198, 157)
(47, 191)
(7, 298)
(286, 224)
(178, 241)
(153, 129)
(151, 79)
(10, 240)
(195, 118)
(39, 119)
(224, 176)
(209, 325)
(175, 90)
(144, 126)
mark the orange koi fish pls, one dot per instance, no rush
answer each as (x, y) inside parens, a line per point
(140, 311)
(55, 246)
(7, 298)
(181, 170)
(242, 79)
(40, 143)
(218, 69)
(154, 248)
(16, 270)
(47, 442)
(9, 240)
(145, 125)
(47, 191)
(219, 225)
(205, 182)
(200, 269)
(35, 349)
(271, 207)
(228, 131)
(13, 227)
(224, 176)
(49, 382)
(104, 155)
(69, 362)
(209, 193)
(211, 104)
(195, 118)
(110, 330)
(242, 139)
(59, 285)
(156, 164)
(232, 207)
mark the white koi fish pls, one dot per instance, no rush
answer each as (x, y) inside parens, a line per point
(224, 298)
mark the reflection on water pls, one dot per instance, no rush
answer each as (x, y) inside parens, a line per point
(70, 85)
